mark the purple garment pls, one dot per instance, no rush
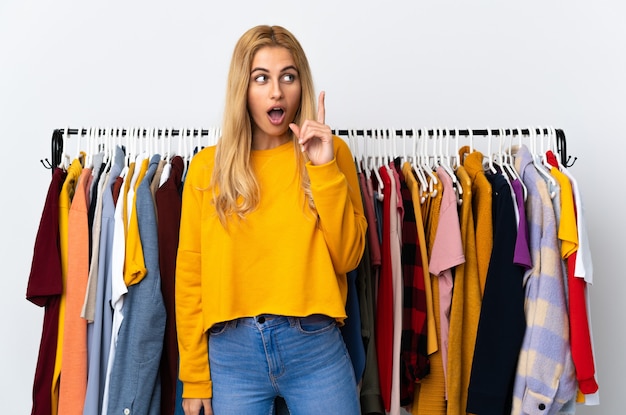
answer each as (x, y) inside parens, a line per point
(521, 256)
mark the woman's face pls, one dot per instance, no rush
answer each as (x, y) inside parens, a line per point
(274, 93)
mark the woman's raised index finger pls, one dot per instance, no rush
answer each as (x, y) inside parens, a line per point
(321, 111)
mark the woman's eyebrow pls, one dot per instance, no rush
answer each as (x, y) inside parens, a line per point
(286, 68)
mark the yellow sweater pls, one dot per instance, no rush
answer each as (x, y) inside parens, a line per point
(277, 260)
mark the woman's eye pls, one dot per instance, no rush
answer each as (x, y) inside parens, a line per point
(260, 78)
(289, 77)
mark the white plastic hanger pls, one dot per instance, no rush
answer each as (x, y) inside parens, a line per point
(79, 137)
(66, 160)
(490, 165)
(470, 139)
(538, 165)
(107, 148)
(444, 157)
(364, 160)
(455, 161)
(165, 173)
(361, 153)
(511, 163)
(426, 165)
(373, 166)
(382, 147)
(419, 174)
(555, 151)
(449, 167)
(130, 145)
(405, 155)
(354, 145)
(389, 135)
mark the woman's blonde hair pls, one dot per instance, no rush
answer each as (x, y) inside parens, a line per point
(235, 188)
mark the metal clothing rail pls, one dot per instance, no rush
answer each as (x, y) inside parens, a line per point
(561, 141)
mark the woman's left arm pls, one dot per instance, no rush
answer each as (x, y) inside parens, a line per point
(337, 195)
(335, 190)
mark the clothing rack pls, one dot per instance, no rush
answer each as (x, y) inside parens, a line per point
(561, 141)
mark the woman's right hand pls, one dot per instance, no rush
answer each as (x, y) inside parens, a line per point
(192, 406)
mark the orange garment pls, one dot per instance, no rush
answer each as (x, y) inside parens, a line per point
(429, 397)
(481, 205)
(134, 264)
(74, 364)
(433, 328)
(466, 303)
(65, 201)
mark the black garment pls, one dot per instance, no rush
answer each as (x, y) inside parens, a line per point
(502, 321)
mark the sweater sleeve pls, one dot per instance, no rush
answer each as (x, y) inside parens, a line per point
(337, 196)
(192, 339)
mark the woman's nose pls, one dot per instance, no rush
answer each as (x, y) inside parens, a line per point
(276, 91)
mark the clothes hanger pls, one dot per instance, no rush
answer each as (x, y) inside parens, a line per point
(64, 158)
(367, 152)
(380, 145)
(500, 158)
(199, 142)
(512, 163)
(164, 150)
(507, 161)
(360, 154)
(389, 136)
(419, 174)
(190, 148)
(539, 166)
(406, 157)
(470, 139)
(107, 148)
(98, 144)
(427, 167)
(167, 154)
(444, 159)
(130, 133)
(354, 145)
(553, 136)
(371, 159)
(455, 161)
(447, 164)
(155, 139)
(490, 165)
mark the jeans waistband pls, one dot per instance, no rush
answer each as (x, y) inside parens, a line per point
(274, 320)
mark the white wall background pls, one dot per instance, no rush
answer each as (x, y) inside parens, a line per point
(383, 64)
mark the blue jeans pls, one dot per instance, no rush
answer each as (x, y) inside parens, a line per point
(304, 360)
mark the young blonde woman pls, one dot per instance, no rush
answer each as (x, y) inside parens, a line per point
(272, 220)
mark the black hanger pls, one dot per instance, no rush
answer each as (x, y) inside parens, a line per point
(56, 151)
(561, 146)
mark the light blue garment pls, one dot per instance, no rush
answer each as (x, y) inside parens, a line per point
(134, 386)
(99, 331)
(545, 379)
(304, 360)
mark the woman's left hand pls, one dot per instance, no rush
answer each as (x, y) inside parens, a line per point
(315, 137)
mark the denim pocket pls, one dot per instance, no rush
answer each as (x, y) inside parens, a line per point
(218, 328)
(315, 323)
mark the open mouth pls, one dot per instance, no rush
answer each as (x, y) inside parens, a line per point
(276, 115)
